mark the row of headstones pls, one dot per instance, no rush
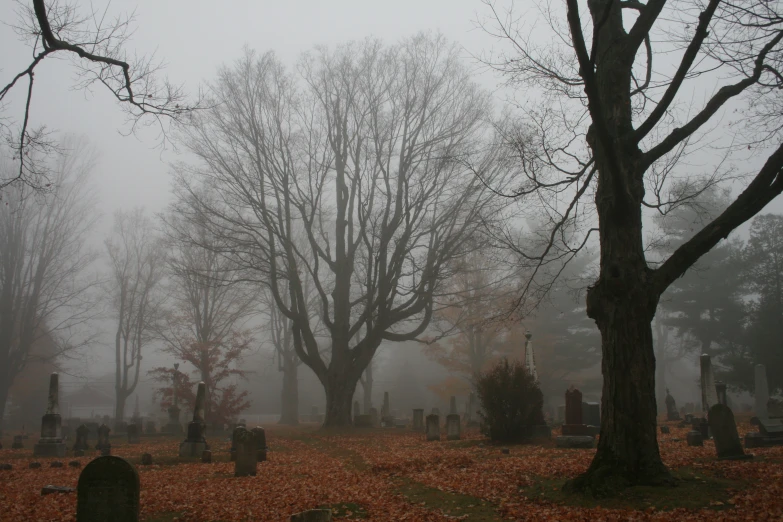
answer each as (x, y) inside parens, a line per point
(109, 487)
(388, 418)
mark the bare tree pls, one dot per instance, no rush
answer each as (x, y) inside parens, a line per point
(368, 150)
(44, 293)
(204, 325)
(137, 260)
(97, 45)
(612, 124)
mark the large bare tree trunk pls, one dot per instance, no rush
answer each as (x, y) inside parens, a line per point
(339, 387)
(5, 386)
(290, 396)
(119, 408)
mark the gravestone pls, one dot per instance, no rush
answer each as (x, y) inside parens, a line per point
(724, 432)
(575, 442)
(149, 428)
(574, 425)
(708, 394)
(260, 436)
(195, 443)
(671, 407)
(665, 430)
(704, 428)
(435, 411)
(206, 457)
(146, 459)
(418, 419)
(453, 428)
(247, 446)
(374, 416)
(433, 427)
(174, 427)
(761, 394)
(18, 442)
(591, 413)
(133, 434)
(452, 405)
(103, 443)
(720, 393)
(51, 442)
(770, 434)
(108, 490)
(694, 438)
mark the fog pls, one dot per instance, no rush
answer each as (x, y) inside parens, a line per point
(138, 167)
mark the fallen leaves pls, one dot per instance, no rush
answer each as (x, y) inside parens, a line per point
(361, 476)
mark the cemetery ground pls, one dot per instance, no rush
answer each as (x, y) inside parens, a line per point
(393, 474)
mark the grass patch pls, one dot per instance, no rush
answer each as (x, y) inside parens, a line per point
(348, 510)
(694, 490)
(452, 504)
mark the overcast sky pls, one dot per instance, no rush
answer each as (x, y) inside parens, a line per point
(195, 37)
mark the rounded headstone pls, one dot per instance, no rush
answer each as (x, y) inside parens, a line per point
(108, 489)
(78, 453)
(75, 464)
(34, 465)
(6, 467)
(206, 457)
(146, 459)
(695, 439)
(665, 430)
(56, 464)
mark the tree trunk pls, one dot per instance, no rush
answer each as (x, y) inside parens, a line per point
(290, 395)
(5, 386)
(340, 386)
(119, 408)
(367, 390)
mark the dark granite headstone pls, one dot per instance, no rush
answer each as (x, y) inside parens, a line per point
(260, 436)
(134, 437)
(108, 489)
(591, 413)
(146, 459)
(453, 427)
(81, 438)
(206, 457)
(103, 443)
(418, 419)
(574, 424)
(665, 430)
(694, 438)
(724, 431)
(18, 442)
(246, 453)
(433, 427)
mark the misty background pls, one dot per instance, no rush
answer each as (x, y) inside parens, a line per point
(133, 169)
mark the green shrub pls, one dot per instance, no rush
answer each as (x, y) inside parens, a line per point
(511, 401)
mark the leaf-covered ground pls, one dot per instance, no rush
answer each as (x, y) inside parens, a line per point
(396, 475)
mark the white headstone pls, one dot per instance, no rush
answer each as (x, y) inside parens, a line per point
(709, 397)
(761, 392)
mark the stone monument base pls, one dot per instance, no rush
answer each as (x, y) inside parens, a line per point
(575, 441)
(759, 440)
(49, 449)
(192, 449)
